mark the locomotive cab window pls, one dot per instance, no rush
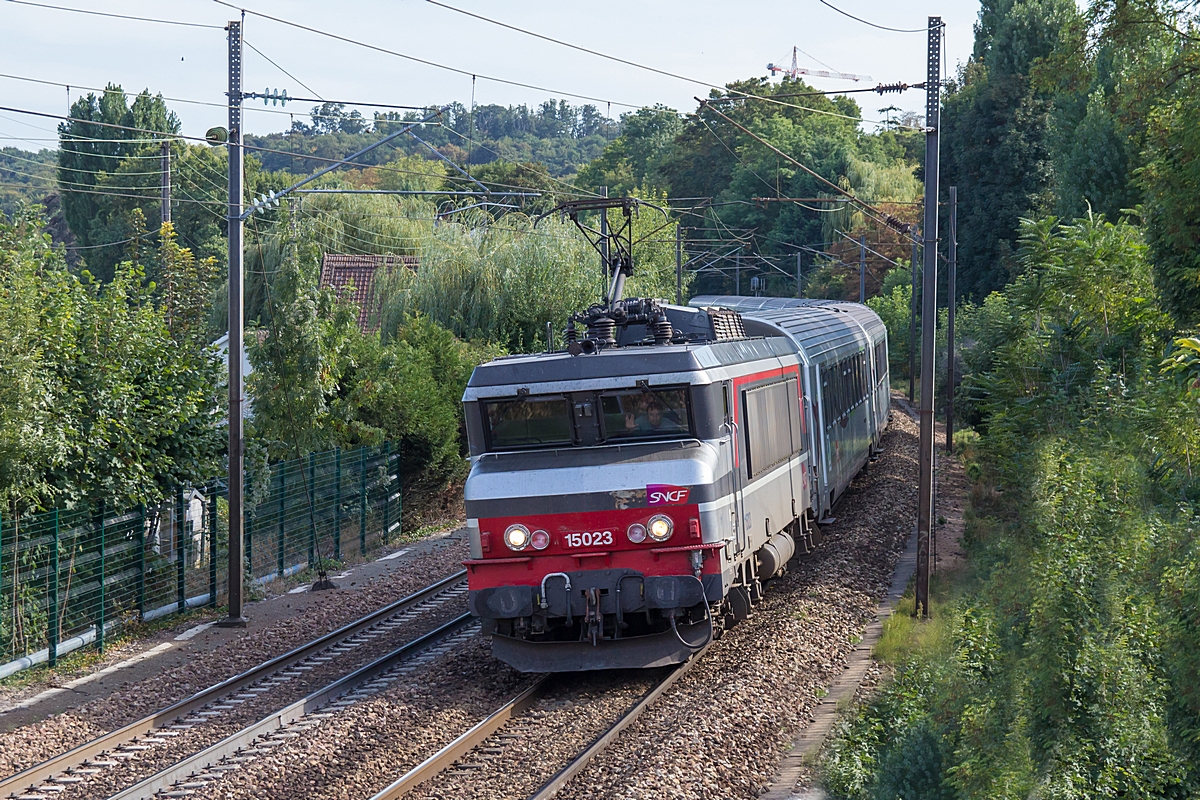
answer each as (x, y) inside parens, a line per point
(645, 414)
(527, 422)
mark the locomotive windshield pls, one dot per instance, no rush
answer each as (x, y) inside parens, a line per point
(587, 418)
(637, 414)
(528, 422)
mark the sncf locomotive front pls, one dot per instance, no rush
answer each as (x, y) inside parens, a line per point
(604, 495)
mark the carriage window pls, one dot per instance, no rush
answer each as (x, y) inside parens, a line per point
(527, 422)
(649, 414)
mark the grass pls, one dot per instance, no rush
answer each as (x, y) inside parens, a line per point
(904, 635)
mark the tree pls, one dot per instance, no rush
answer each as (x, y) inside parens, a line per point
(91, 154)
(100, 401)
(632, 160)
(298, 359)
(995, 129)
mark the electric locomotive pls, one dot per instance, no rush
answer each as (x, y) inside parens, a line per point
(631, 494)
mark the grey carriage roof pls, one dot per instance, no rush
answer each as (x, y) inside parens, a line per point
(631, 362)
(825, 330)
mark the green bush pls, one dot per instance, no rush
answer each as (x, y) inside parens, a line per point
(1074, 657)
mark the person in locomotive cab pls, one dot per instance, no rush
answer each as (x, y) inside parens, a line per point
(652, 421)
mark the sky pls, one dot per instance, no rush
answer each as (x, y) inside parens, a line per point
(708, 41)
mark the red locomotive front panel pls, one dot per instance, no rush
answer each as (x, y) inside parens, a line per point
(636, 581)
(656, 541)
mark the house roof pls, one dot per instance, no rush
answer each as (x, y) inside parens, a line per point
(353, 278)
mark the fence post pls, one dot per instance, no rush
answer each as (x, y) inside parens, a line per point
(103, 554)
(212, 547)
(362, 500)
(52, 579)
(141, 578)
(282, 517)
(387, 490)
(249, 512)
(180, 555)
(312, 509)
(337, 505)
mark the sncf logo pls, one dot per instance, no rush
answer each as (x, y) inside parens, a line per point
(661, 494)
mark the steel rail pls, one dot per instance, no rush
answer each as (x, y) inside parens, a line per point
(231, 745)
(601, 742)
(40, 773)
(442, 759)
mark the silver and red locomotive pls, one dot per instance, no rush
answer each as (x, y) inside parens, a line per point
(630, 495)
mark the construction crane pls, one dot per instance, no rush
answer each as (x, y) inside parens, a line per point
(795, 70)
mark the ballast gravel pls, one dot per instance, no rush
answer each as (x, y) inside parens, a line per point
(520, 758)
(362, 749)
(26, 746)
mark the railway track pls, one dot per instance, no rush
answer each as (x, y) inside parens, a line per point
(473, 744)
(67, 770)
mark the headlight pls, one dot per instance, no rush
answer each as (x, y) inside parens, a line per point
(540, 540)
(516, 537)
(661, 527)
(636, 533)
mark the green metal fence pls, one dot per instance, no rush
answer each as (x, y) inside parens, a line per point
(70, 578)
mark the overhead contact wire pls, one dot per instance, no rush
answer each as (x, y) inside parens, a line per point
(636, 65)
(418, 60)
(868, 22)
(119, 16)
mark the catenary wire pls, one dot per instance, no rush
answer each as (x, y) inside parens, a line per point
(183, 137)
(740, 160)
(868, 22)
(78, 169)
(212, 104)
(112, 194)
(271, 61)
(864, 206)
(119, 16)
(418, 60)
(743, 95)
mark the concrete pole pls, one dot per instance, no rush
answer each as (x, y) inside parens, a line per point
(912, 321)
(928, 317)
(799, 283)
(952, 300)
(236, 443)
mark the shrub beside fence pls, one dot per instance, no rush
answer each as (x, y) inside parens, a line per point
(70, 578)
